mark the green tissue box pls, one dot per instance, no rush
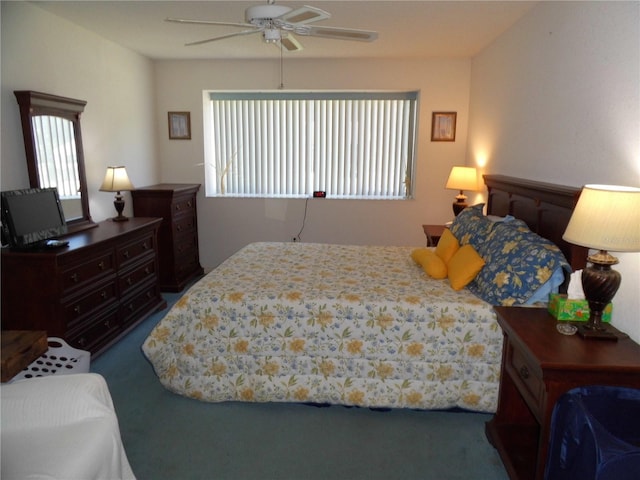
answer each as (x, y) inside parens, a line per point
(573, 310)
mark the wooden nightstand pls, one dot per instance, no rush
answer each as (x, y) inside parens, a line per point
(433, 234)
(538, 365)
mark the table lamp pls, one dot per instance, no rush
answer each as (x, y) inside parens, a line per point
(117, 180)
(462, 178)
(606, 217)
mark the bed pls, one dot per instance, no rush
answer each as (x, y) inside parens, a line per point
(368, 325)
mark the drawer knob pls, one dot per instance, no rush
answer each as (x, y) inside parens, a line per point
(145, 246)
(104, 295)
(76, 309)
(129, 281)
(125, 254)
(147, 271)
(75, 278)
(82, 341)
(101, 265)
(524, 372)
(189, 203)
(107, 324)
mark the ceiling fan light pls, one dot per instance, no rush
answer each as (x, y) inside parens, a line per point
(271, 35)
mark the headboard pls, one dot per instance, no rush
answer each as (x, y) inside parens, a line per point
(545, 207)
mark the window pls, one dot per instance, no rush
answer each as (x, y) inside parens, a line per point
(290, 144)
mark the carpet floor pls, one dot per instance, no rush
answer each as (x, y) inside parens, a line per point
(169, 437)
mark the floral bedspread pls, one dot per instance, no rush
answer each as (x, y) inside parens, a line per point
(351, 325)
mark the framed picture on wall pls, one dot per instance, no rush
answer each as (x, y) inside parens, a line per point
(443, 126)
(179, 125)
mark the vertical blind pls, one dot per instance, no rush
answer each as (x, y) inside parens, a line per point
(289, 144)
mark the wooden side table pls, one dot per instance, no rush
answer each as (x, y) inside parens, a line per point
(539, 365)
(433, 234)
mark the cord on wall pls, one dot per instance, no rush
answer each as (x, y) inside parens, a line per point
(304, 219)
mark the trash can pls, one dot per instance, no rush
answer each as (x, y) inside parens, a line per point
(595, 434)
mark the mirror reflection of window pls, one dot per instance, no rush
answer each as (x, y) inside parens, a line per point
(56, 155)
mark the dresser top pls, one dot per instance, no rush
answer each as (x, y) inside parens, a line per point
(168, 187)
(103, 232)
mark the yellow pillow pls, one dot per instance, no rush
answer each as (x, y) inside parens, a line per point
(430, 263)
(447, 246)
(464, 266)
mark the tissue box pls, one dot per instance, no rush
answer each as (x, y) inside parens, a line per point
(574, 310)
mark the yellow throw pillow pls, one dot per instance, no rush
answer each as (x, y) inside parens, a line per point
(447, 246)
(464, 266)
(430, 263)
(418, 254)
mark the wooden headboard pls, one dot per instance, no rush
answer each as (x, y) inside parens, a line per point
(545, 207)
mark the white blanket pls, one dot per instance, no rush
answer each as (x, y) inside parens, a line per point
(61, 427)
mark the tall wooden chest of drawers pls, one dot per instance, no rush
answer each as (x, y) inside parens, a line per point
(91, 292)
(178, 236)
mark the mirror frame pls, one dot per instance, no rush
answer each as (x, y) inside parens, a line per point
(35, 104)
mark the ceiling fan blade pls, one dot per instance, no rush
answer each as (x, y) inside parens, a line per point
(208, 22)
(290, 43)
(303, 15)
(339, 33)
(222, 37)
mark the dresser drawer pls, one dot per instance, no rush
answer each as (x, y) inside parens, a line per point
(185, 245)
(136, 276)
(186, 265)
(525, 376)
(182, 206)
(98, 298)
(135, 250)
(91, 335)
(184, 224)
(78, 276)
(138, 302)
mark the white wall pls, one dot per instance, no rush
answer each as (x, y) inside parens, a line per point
(118, 124)
(228, 224)
(557, 99)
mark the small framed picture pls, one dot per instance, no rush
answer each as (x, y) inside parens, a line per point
(443, 126)
(179, 125)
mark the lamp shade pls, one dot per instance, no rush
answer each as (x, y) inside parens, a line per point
(606, 217)
(462, 178)
(116, 180)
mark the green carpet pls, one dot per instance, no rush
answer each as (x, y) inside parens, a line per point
(167, 436)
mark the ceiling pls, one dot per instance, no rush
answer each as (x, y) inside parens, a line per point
(409, 29)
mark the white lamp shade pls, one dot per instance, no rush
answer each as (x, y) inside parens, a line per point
(463, 178)
(116, 180)
(606, 217)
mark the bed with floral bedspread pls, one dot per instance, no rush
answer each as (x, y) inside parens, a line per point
(371, 326)
(351, 325)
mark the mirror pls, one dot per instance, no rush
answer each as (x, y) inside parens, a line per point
(53, 147)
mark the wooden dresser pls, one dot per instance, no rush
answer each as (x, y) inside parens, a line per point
(89, 293)
(178, 235)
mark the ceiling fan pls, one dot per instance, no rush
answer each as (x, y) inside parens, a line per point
(278, 23)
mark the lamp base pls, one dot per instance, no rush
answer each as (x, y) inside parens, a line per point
(119, 204)
(600, 284)
(460, 203)
(591, 334)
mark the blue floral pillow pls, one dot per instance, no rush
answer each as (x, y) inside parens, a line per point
(518, 263)
(471, 226)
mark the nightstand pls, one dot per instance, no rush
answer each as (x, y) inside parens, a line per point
(433, 234)
(538, 365)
